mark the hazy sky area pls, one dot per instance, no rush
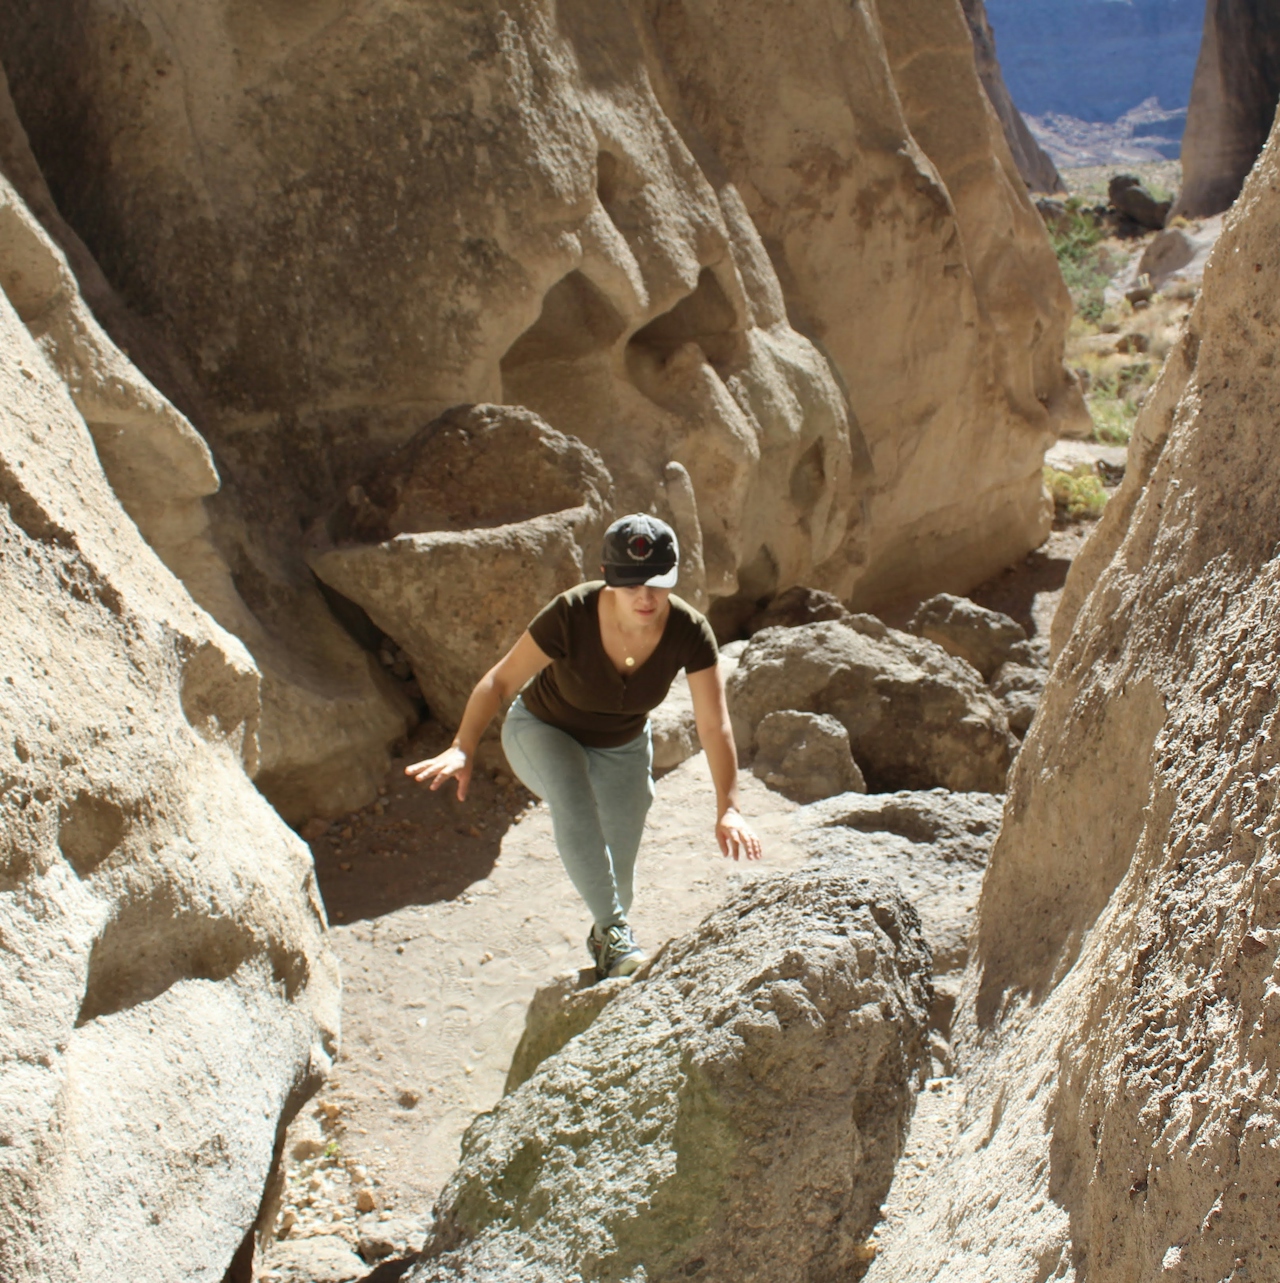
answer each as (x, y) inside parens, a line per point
(1096, 59)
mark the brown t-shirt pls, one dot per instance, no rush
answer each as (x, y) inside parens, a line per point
(582, 693)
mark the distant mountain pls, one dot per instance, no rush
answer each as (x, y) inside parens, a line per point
(1095, 60)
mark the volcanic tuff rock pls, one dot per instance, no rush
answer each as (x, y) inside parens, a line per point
(916, 717)
(734, 1113)
(1121, 1014)
(1037, 170)
(1233, 103)
(805, 756)
(342, 224)
(905, 242)
(169, 999)
(463, 535)
(985, 638)
(933, 844)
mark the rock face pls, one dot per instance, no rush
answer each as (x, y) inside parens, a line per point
(933, 844)
(1037, 170)
(888, 142)
(1233, 103)
(782, 1037)
(1121, 1013)
(344, 224)
(805, 756)
(916, 717)
(463, 535)
(985, 638)
(169, 999)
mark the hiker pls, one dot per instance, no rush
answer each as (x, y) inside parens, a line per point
(584, 676)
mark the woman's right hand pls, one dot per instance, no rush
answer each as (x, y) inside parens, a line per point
(452, 764)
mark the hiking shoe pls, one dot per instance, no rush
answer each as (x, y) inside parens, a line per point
(620, 955)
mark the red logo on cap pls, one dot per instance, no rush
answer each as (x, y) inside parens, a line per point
(639, 547)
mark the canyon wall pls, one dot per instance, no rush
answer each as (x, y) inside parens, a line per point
(1120, 1024)
(777, 269)
(169, 999)
(1233, 103)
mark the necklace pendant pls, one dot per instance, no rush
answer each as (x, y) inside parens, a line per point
(630, 662)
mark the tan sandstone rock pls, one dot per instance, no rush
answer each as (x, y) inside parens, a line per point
(733, 1113)
(867, 154)
(1121, 1016)
(169, 999)
(463, 535)
(916, 716)
(805, 756)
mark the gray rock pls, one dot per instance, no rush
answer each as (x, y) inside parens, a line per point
(805, 756)
(1019, 687)
(971, 632)
(735, 1113)
(560, 1010)
(916, 716)
(934, 845)
(795, 606)
(325, 1258)
(1131, 198)
(1168, 252)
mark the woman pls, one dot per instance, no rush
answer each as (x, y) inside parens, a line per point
(585, 675)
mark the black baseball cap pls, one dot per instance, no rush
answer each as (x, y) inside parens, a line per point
(640, 549)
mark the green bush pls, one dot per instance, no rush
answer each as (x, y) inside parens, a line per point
(1076, 494)
(1086, 267)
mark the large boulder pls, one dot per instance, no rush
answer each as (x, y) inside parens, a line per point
(736, 1112)
(1131, 199)
(1233, 103)
(933, 844)
(169, 997)
(456, 541)
(985, 638)
(1121, 1014)
(917, 718)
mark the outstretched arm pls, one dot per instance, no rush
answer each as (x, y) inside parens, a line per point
(499, 685)
(711, 713)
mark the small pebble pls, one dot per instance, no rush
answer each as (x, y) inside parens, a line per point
(365, 1201)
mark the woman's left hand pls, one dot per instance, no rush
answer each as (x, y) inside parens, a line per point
(736, 837)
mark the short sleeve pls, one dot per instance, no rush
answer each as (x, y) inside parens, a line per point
(550, 628)
(701, 650)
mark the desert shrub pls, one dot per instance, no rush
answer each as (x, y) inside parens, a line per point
(1076, 494)
(1086, 265)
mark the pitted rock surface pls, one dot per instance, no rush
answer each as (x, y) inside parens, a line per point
(986, 638)
(933, 844)
(916, 716)
(736, 1112)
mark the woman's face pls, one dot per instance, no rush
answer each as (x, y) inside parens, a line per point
(641, 605)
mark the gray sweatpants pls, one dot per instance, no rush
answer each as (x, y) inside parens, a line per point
(598, 798)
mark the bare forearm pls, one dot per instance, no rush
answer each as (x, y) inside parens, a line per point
(482, 707)
(722, 758)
